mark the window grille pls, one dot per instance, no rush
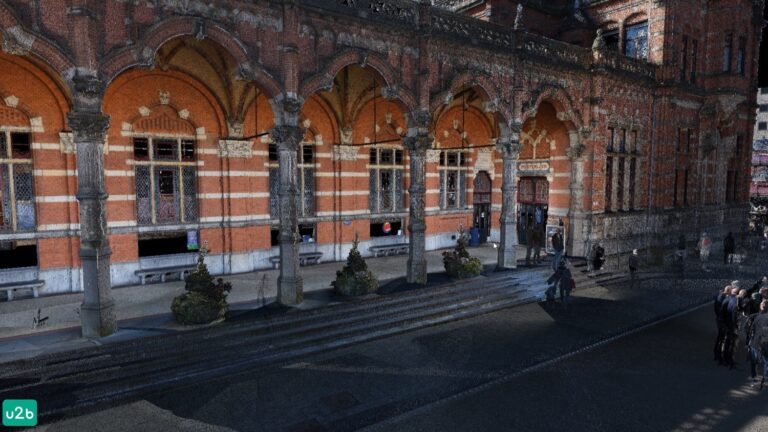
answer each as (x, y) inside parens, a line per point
(17, 198)
(305, 182)
(166, 184)
(727, 48)
(386, 184)
(453, 179)
(636, 40)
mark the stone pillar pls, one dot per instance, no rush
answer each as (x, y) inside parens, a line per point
(417, 147)
(97, 314)
(290, 287)
(510, 150)
(577, 243)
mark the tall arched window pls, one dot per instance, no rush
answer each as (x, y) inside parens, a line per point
(386, 180)
(305, 184)
(166, 189)
(17, 198)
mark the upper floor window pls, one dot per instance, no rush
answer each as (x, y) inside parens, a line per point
(694, 55)
(740, 55)
(453, 179)
(386, 180)
(166, 185)
(763, 107)
(306, 180)
(611, 38)
(17, 203)
(727, 48)
(636, 40)
(762, 125)
(684, 59)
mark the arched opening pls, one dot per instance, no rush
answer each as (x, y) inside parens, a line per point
(481, 203)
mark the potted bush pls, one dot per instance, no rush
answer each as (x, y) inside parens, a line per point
(205, 300)
(355, 279)
(458, 264)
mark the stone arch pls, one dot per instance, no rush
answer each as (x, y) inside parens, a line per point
(16, 40)
(567, 112)
(324, 79)
(143, 54)
(635, 18)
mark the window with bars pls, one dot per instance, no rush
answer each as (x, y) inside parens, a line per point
(386, 182)
(684, 59)
(305, 182)
(621, 165)
(740, 55)
(609, 184)
(636, 40)
(611, 38)
(17, 198)
(453, 179)
(166, 183)
(727, 49)
(694, 58)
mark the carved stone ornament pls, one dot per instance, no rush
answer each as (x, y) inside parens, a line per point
(389, 92)
(235, 129)
(484, 162)
(417, 144)
(509, 148)
(491, 106)
(88, 126)
(599, 43)
(88, 86)
(344, 153)
(17, 42)
(346, 135)
(576, 151)
(433, 156)
(292, 105)
(12, 101)
(165, 97)
(235, 149)
(419, 118)
(287, 137)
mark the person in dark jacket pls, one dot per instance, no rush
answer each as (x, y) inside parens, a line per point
(563, 279)
(720, 321)
(634, 264)
(731, 318)
(559, 246)
(729, 248)
(758, 342)
(537, 236)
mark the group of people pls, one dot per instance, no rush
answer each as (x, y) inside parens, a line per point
(741, 313)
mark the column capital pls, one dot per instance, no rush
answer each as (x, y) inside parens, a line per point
(509, 147)
(418, 144)
(576, 151)
(287, 137)
(419, 119)
(88, 126)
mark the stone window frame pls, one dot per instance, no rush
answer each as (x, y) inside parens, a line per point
(8, 163)
(741, 53)
(375, 169)
(460, 170)
(179, 164)
(727, 58)
(633, 23)
(305, 169)
(630, 156)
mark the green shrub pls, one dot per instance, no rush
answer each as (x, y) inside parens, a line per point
(355, 279)
(204, 301)
(458, 263)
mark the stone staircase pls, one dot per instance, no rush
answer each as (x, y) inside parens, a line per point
(68, 383)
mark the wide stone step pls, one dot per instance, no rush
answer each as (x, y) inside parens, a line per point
(136, 380)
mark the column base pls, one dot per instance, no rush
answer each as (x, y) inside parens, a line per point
(290, 291)
(98, 320)
(417, 272)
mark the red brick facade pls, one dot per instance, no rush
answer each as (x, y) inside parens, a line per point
(210, 73)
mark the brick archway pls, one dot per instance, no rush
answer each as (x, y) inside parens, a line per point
(567, 111)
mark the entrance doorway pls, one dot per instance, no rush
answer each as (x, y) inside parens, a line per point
(481, 201)
(532, 208)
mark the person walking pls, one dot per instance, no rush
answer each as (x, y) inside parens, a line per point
(705, 244)
(758, 343)
(731, 318)
(528, 243)
(729, 248)
(720, 298)
(562, 279)
(634, 264)
(559, 247)
(537, 242)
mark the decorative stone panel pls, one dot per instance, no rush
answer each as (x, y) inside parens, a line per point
(235, 149)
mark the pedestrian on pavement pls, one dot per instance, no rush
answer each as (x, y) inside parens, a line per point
(562, 279)
(559, 247)
(731, 317)
(729, 248)
(528, 242)
(758, 342)
(537, 243)
(598, 257)
(705, 244)
(634, 265)
(681, 246)
(720, 321)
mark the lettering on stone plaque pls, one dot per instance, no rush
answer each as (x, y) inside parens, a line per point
(533, 167)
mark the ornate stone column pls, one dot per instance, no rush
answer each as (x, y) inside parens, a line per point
(510, 150)
(89, 127)
(576, 234)
(290, 287)
(417, 261)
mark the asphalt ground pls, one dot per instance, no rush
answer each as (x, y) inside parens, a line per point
(661, 378)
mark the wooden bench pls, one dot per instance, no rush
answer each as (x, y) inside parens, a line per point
(11, 287)
(386, 250)
(182, 270)
(305, 259)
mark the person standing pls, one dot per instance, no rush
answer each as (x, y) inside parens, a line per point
(634, 265)
(729, 248)
(528, 243)
(758, 342)
(705, 244)
(731, 318)
(559, 247)
(537, 241)
(720, 321)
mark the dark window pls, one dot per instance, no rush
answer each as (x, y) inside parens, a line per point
(632, 182)
(611, 138)
(272, 152)
(372, 156)
(679, 142)
(694, 56)
(740, 54)
(608, 184)
(307, 233)
(156, 244)
(739, 143)
(763, 90)
(621, 186)
(307, 153)
(674, 191)
(762, 126)
(684, 59)
(20, 144)
(141, 149)
(15, 255)
(727, 48)
(763, 107)
(636, 40)
(453, 159)
(385, 157)
(377, 228)
(623, 143)
(685, 188)
(187, 150)
(274, 236)
(166, 182)
(611, 38)
(165, 149)
(398, 157)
